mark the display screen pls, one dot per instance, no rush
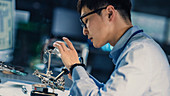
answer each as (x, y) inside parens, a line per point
(153, 25)
(66, 23)
(6, 24)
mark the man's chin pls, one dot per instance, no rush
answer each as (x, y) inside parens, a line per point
(97, 45)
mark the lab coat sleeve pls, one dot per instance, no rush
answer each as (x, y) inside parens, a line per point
(132, 77)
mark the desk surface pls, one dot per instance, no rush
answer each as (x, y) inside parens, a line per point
(14, 88)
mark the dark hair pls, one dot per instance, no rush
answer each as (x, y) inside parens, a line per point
(123, 6)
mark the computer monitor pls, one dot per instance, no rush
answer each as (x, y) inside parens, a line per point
(153, 25)
(7, 8)
(66, 23)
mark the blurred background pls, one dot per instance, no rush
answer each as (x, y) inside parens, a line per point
(29, 27)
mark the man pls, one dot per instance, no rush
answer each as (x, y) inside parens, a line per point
(142, 68)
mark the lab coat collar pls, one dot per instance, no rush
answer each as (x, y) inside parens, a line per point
(119, 47)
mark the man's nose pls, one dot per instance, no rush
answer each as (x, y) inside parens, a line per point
(85, 31)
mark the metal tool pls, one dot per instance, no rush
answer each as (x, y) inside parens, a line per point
(11, 70)
(57, 82)
(24, 90)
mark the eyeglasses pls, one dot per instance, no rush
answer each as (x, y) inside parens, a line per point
(95, 11)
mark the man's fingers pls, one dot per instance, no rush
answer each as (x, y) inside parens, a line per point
(70, 45)
(58, 46)
(62, 45)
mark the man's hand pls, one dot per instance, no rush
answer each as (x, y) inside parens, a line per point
(69, 55)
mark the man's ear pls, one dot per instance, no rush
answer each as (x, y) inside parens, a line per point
(110, 11)
(110, 14)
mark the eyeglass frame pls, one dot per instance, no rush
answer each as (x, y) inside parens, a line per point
(95, 11)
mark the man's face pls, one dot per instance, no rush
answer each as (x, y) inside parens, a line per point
(96, 27)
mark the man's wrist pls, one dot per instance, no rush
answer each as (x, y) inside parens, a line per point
(75, 65)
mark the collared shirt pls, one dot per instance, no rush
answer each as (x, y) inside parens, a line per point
(142, 69)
